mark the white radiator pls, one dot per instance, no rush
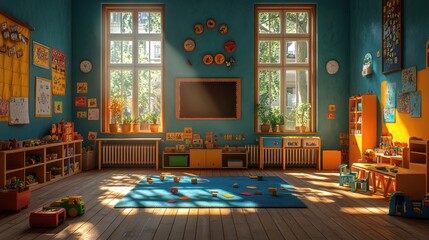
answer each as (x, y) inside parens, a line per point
(128, 154)
(273, 157)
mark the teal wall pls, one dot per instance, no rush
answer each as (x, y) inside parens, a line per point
(365, 37)
(51, 20)
(75, 28)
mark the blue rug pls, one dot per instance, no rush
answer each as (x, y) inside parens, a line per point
(232, 192)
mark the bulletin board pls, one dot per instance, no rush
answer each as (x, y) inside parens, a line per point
(14, 59)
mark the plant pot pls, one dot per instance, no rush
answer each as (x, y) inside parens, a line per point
(282, 128)
(136, 127)
(274, 128)
(265, 128)
(113, 127)
(302, 129)
(154, 128)
(126, 128)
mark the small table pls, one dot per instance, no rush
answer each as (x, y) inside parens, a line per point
(410, 182)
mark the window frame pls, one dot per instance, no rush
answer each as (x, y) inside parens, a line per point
(283, 66)
(135, 67)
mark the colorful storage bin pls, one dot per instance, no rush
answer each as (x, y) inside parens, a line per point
(178, 161)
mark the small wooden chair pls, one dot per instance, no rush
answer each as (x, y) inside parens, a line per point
(346, 175)
(362, 182)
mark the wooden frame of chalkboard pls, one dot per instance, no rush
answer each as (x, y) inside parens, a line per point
(208, 98)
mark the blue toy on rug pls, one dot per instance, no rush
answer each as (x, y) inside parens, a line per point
(400, 205)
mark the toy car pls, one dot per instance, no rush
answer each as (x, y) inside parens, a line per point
(74, 205)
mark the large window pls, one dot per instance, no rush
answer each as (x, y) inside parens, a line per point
(285, 78)
(133, 61)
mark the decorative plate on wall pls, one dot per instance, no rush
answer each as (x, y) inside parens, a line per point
(208, 59)
(219, 58)
(223, 29)
(211, 23)
(189, 45)
(198, 28)
(230, 46)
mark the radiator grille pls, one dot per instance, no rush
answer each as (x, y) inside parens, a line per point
(273, 157)
(124, 155)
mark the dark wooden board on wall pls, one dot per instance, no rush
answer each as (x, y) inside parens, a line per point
(208, 98)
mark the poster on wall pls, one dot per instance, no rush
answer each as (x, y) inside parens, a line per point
(41, 55)
(391, 95)
(416, 104)
(58, 107)
(43, 99)
(409, 79)
(94, 114)
(82, 87)
(403, 102)
(391, 35)
(389, 115)
(19, 111)
(58, 72)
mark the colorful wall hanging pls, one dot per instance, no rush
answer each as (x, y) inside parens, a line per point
(14, 51)
(390, 106)
(80, 101)
(409, 79)
(416, 104)
(43, 101)
(403, 102)
(41, 55)
(391, 35)
(92, 102)
(58, 107)
(58, 72)
(82, 87)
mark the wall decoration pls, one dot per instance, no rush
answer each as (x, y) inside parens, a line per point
(391, 95)
(94, 114)
(211, 23)
(208, 59)
(230, 46)
(219, 58)
(403, 102)
(58, 72)
(80, 101)
(331, 115)
(41, 55)
(15, 50)
(19, 110)
(170, 136)
(179, 136)
(391, 35)
(43, 99)
(82, 87)
(332, 107)
(187, 132)
(416, 104)
(223, 29)
(230, 62)
(367, 65)
(58, 107)
(4, 108)
(92, 135)
(198, 28)
(409, 79)
(92, 102)
(189, 45)
(81, 114)
(389, 115)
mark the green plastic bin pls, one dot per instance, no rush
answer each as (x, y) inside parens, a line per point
(178, 161)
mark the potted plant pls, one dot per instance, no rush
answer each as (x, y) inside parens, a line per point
(136, 123)
(264, 111)
(126, 124)
(302, 115)
(282, 122)
(116, 107)
(274, 119)
(153, 119)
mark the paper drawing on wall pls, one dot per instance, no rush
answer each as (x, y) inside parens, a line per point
(80, 101)
(58, 72)
(415, 104)
(19, 110)
(81, 114)
(94, 114)
(58, 107)
(389, 115)
(92, 102)
(43, 97)
(409, 79)
(403, 102)
(391, 95)
(41, 55)
(82, 87)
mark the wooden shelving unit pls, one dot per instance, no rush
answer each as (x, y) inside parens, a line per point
(46, 162)
(362, 125)
(418, 157)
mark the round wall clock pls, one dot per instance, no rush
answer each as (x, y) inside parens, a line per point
(332, 66)
(86, 66)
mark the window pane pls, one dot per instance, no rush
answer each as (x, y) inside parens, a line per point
(269, 22)
(296, 52)
(269, 51)
(121, 52)
(121, 22)
(297, 91)
(149, 51)
(149, 22)
(269, 85)
(149, 85)
(296, 22)
(121, 86)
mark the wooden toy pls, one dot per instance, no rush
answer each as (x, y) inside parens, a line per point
(161, 177)
(176, 179)
(235, 185)
(14, 199)
(73, 205)
(148, 179)
(47, 217)
(273, 191)
(214, 193)
(174, 190)
(401, 205)
(194, 180)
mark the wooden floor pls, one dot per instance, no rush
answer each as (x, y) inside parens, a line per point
(333, 212)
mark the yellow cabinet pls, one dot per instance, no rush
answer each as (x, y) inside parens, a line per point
(362, 125)
(205, 158)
